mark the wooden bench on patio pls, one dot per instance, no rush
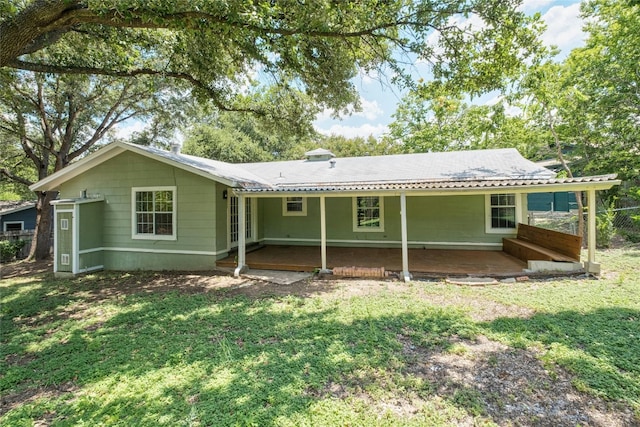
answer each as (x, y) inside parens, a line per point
(535, 243)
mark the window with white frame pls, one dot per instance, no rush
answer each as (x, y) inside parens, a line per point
(154, 213)
(368, 213)
(502, 212)
(14, 226)
(294, 206)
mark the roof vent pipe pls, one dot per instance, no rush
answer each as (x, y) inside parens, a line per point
(332, 163)
(175, 148)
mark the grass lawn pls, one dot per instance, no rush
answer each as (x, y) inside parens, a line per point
(161, 349)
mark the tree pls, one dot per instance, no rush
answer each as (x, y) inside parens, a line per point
(48, 121)
(606, 76)
(431, 118)
(315, 46)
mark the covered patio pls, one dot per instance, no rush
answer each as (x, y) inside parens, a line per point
(421, 261)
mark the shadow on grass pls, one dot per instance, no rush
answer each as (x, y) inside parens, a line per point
(99, 352)
(170, 358)
(601, 347)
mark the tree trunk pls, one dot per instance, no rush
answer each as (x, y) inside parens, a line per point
(41, 245)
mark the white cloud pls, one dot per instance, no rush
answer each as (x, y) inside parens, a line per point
(534, 5)
(354, 131)
(564, 27)
(370, 110)
(125, 130)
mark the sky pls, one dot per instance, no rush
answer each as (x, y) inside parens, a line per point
(379, 100)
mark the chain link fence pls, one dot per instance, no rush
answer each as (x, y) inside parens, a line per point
(618, 223)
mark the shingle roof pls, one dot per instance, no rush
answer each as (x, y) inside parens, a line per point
(461, 170)
(399, 170)
(10, 206)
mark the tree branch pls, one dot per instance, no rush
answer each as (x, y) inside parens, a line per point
(7, 173)
(58, 69)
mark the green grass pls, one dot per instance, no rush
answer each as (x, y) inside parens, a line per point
(81, 352)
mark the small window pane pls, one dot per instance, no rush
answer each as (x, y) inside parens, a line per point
(503, 211)
(154, 212)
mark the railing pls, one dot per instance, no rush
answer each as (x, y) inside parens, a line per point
(622, 223)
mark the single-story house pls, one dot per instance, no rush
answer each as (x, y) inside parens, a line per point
(17, 215)
(127, 207)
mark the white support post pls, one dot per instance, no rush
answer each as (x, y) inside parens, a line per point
(405, 247)
(323, 234)
(591, 266)
(242, 233)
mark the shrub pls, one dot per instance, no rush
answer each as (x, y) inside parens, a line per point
(10, 249)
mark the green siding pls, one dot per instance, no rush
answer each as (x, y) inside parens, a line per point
(64, 241)
(90, 226)
(221, 217)
(432, 221)
(114, 179)
(154, 261)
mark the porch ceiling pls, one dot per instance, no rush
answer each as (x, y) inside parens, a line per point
(426, 261)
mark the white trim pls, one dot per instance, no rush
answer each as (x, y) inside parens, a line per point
(4, 225)
(285, 205)
(397, 242)
(109, 151)
(153, 251)
(75, 246)
(591, 224)
(55, 239)
(403, 232)
(323, 233)
(487, 214)
(89, 199)
(18, 209)
(354, 215)
(174, 215)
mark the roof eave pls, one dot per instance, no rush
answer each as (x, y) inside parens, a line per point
(108, 152)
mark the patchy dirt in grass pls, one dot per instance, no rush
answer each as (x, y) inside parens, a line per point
(11, 401)
(487, 379)
(510, 386)
(25, 268)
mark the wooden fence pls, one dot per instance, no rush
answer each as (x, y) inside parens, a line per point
(26, 235)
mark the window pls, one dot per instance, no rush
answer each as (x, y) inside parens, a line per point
(64, 224)
(154, 213)
(14, 226)
(294, 206)
(502, 213)
(368, 213)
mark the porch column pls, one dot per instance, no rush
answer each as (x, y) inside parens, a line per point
(591, 266)
(405, 247)
(242, 233)
(323, 234)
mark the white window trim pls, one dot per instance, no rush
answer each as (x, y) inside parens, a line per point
(4, 226)
(354, 214)
(134, 234)
(487, 212)
(303, 212)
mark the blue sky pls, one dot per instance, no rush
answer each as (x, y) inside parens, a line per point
(379, 100)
